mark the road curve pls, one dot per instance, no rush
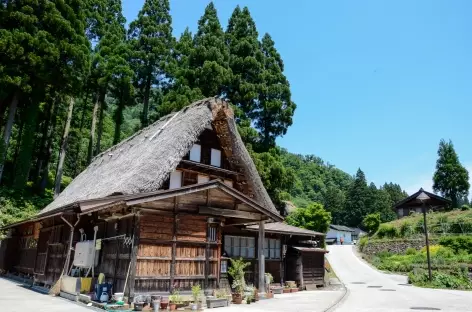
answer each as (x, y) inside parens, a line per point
(372, 290)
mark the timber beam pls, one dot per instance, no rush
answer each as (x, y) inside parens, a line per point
(229, 213)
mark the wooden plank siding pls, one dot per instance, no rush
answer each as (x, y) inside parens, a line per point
(185, 237)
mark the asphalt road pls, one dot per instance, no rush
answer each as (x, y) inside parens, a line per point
(372, 290)
(16, 298)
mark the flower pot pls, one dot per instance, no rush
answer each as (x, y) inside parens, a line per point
(293, 290)
(164, 305)
(237, 298)
(138, 306)
(286, 290)
(172, 306)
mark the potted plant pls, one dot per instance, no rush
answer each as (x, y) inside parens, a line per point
(196, 289)
(236, 271)
(286, 289)
(249, 299)
(292, 285)
(174, 300)
(221, 299)
(164, 304)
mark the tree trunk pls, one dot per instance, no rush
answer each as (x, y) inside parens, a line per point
(92, 130)
(118, 119)
(3, 107)
(7, 132)
(100, 123)
(147, 91)
(44, 174)
(62, 152)
(43, 143)
(78, 164)
(23, 163)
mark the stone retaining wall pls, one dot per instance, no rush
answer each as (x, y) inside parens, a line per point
(398, 246)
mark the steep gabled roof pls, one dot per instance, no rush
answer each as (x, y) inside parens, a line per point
(143, 162)
(434, 200)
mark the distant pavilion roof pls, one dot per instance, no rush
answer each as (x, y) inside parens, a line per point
(412, 200)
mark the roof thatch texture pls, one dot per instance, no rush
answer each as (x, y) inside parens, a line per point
(144, 161)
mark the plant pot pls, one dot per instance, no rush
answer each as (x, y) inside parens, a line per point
(172, 306)
(216, 302)
(138, 306)
(286, 290)
(164, 305)
(194, 307)
(237, 298)
(269, 295)
(277, 290)
(293, 290)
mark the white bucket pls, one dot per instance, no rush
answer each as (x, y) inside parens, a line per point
(119, 296)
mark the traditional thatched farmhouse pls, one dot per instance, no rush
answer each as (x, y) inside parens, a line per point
(156, 207)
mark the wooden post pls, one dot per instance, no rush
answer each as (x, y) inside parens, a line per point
(174, 247)
(134, 258)
(261, 260)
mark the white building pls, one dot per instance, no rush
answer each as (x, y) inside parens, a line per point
(336, 232)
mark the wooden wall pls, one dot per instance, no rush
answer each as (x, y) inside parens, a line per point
(313, 268)
(174, 253)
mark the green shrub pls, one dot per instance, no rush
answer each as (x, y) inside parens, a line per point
(372, 222)
(457, 243)
(407, 229)
(465, 207)
(387, 231)
(363, 242)
(410, 251)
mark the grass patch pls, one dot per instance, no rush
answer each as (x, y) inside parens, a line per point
(450, 269)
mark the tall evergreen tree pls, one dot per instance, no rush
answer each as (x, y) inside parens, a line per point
(451, 179)
(275, 107)
(334, 202)
(246, 63)
(151, 41)
(357, 200)
(45, 48)
(210, 57)
(182, 91)
(109, 63)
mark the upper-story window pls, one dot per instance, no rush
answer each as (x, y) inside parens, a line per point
(215, 157)
(196, 153)
(175, 180)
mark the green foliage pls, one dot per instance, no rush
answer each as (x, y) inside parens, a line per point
(209, 59)
(16, 206)
(458, 279)
(363, 241)
(387, 231)
(236, 271)
(314, 217)
(175, 297)
(457, 243)
(371, 222)
(465, 207)
(451, 179)
(411, 251)
(357, 200)
(151, 42)
(196, 291)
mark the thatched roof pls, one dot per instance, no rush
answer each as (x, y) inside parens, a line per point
(144, 161)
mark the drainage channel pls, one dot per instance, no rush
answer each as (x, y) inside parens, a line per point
(387, 289)
(374, 286)
(425, 308)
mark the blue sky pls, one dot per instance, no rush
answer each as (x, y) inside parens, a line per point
(377, 83)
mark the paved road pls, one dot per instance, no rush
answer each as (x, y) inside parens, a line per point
(15, 298)
(303, 301)
(391, 296)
